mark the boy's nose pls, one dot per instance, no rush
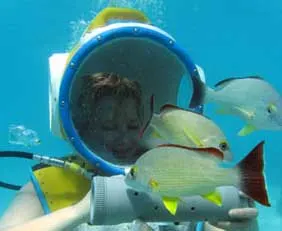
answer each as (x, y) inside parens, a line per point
(123, 129)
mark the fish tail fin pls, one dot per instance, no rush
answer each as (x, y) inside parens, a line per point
(156, 121)
(155, 124)
(143, 129)
(253, 181)
(202, 94)
(153, 136)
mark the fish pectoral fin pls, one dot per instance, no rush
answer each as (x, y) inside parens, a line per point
(246, 130)
(195, 139)
(154, 185)
(155, 134)
(214, 197)
(171, 204)
(246, 113)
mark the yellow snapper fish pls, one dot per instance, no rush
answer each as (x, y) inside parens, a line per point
(184, 127)
(175, 171)
(251, 98)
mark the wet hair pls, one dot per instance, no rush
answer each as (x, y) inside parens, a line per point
(96, 86)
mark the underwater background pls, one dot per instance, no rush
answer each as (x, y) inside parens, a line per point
(226, 38)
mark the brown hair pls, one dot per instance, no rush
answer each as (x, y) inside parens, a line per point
(98, 85)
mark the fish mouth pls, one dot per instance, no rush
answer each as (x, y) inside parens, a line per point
(279, 122)
(276, 123)
(228, 156)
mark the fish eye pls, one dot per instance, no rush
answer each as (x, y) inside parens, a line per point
(133, 171)
(223, 146)
(271, 108)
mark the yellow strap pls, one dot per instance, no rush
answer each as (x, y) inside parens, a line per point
(60, 187)
(116, 13)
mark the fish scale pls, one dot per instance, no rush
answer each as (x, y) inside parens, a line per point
(182, 172)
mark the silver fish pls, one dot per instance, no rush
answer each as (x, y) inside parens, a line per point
(251, 98)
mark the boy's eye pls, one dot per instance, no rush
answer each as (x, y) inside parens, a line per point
(133, 126)
(109, 127)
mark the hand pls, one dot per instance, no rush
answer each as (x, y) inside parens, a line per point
(83, 207)
(240, 219)
(139, 225)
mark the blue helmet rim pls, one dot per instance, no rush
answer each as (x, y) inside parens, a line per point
(70, 74)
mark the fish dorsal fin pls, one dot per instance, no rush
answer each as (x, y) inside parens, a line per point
(225, 82)
(170, 107)
(210, 150)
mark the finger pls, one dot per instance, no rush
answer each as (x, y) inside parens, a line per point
(242, 195)
(243, 214)
(140, 225)
(227, 225)
(251, 202)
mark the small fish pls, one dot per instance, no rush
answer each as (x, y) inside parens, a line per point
(251, 98)
(20, 135)
(175, 125)
(175, 171)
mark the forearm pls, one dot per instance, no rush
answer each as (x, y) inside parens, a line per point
(64, 219)
(253, 226)
(209, 227)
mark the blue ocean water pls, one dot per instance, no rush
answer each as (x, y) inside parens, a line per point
(226, 38)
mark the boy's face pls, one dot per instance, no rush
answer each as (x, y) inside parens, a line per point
(115, 128)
